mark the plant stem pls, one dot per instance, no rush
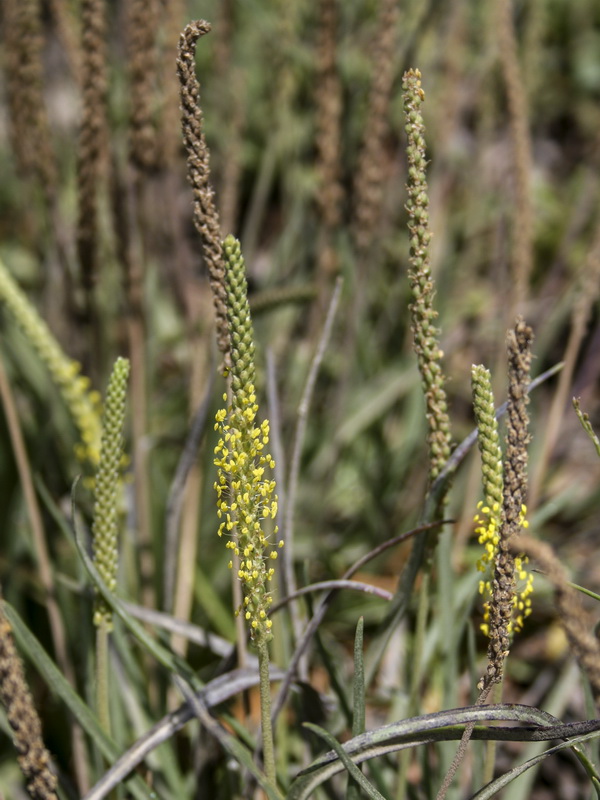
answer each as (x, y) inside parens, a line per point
(265, 711)
(102, 703)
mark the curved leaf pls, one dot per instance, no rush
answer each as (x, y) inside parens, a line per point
(443, 725)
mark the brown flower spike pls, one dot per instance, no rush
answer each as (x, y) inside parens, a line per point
(514, 498)
(423, 314)
(15, 696)
(206, 218)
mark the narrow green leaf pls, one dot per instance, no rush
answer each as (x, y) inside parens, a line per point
(350, 766)
(358, 710)
(441, 726)
(215, 693)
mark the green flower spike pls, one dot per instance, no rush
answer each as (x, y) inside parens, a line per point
(425, 334)
(488, 520)
(83, 404)
(245, 497)
(105, 525)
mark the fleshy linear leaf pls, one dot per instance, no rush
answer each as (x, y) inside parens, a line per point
(214, 693)
(349, 765)
(441, 726)
(492, 788)
(358, 698)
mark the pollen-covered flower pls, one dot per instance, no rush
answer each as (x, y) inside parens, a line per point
(246, 497)
(487, 522)
(489, 519)
(245, 500)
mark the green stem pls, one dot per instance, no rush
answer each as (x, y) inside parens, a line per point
(265, 711)
(102, 703)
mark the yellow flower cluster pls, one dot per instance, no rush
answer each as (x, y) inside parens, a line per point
(487, 530)
(245, 499)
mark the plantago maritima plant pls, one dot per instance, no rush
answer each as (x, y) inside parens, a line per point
(245, 498)
(105, 525)
(488, 525)
(514, 494)
(423, 314)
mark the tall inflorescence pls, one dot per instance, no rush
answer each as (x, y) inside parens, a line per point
(489, 517)
(514, 497)
(82, 403)
(516, 93)
(142, 27)
(370, 176)
(328, 97)
(92, 149)
(423, 315)
(206, 218)
(29, 126)
(106, 511)
(34, 759)
(245, 496)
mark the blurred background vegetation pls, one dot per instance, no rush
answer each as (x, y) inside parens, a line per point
(303, 118)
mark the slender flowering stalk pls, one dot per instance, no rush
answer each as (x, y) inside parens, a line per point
(490, 512)
(83, 403)
(245, 496)
(206, 218)
(487, 435)
(507, 568)
(429, 355)
(507, 606)
(105, 525)
(423, 314)
(488, 524)
(586, 424)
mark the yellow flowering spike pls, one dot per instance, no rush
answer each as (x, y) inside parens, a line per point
(245, 496)
(488, 520)
(250, 500)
